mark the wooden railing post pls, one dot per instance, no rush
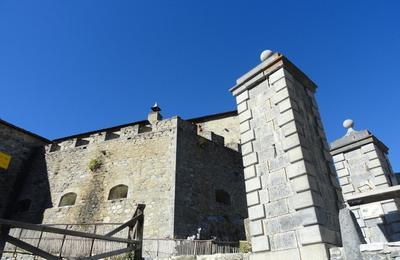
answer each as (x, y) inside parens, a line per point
(139, 232)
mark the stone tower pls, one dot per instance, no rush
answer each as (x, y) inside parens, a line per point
(292, 190)
(366, 178)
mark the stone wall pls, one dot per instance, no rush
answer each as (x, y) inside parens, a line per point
(226, 126)
(374, 251)
(26, 153)
(205, 168)
(141, 157)
(292, 191)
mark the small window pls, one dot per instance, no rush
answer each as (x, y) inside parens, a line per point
(81, 141)
(67, 199)
(118, 192)
(111, 135)
(223, 197)
(23, 205)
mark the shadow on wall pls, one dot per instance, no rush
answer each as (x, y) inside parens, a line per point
(388, 225)
(31, 190)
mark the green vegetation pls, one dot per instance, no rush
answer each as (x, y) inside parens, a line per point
(94, 164)
(244, 246)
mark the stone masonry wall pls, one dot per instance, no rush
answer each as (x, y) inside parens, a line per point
(292, 191)
(227, 127)
(142, 158)
(203, 167)
(22, 148)
(363, 169)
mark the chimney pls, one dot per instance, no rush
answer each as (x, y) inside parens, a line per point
(154, 115)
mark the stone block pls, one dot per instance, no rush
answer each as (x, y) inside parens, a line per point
(290, 142)
(352, 154)
(282, 241)
(389, 207)
(343, 172)
(256, 212)
(256, 228)
(296, 154)
(339, 165)
(285, 105)
(242, 107)
(371, 155)
(347, 188)
(250, 159)
(292, 254)
(245, 126)
(338, 157)
(343, 181)
(276, 76)
(280, 84)
(303, 183)
(289, 129)
(367, 148)
(249, 172)
(242, 97)
(276, 208)
(377, 171)
(276, 177)
(296, 169)
(308, 216)
(279, 191)
(253, 184)
(310, 235)
(285, 117)
(247, 148)
(373, 163)
(260, 243)
(371, 210)
(317, 251)
(280, 96)
(253, 198)
(306, 199)
(246, 115)
(247, 137)
(288, 222)
(380, 180)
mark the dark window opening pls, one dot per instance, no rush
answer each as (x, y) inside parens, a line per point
(54, 147)
(80, 142)
(111, 135)
(23, 205)
(118, 192)
(223, 197)
(67, 199)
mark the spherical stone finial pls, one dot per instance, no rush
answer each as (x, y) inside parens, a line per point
(348, 124)
(265, 55)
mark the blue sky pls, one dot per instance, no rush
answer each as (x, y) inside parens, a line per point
(72, 66)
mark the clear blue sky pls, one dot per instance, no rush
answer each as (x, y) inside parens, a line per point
(72, 66)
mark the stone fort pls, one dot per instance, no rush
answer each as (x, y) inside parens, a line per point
(267, 164)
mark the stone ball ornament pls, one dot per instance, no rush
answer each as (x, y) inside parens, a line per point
(348, 123)
(265, 55)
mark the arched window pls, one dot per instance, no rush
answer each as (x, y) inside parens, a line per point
(67, 199)
(223, 197)
(118, 192)
(23, 205)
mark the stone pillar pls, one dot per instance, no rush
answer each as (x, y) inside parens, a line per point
(363, 169)
(291, 185)
(361, 162)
